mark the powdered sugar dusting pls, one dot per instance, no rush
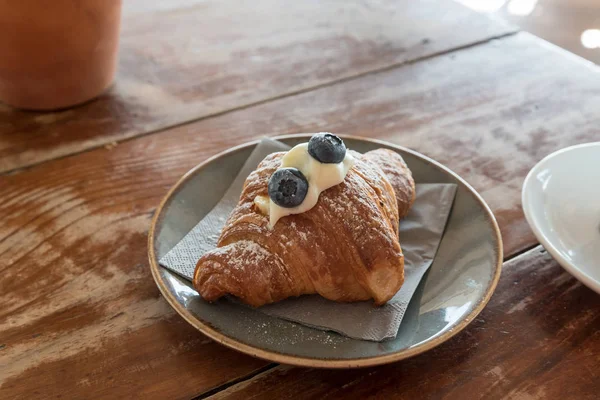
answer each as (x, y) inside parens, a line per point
(248, 252)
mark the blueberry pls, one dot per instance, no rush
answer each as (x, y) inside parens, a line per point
(327, 148)
(288, 187)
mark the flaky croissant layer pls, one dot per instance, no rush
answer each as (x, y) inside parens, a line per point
(345, 248)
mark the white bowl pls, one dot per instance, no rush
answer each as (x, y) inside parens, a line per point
(561, 201)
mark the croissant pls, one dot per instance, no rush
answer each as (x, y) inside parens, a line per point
(345, 248)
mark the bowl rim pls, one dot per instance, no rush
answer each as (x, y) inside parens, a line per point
(304, 361)
(528, 210)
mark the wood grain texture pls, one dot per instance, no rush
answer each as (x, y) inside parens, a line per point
(561, 22)
(538, 338)
(73, 232)
(187, 59)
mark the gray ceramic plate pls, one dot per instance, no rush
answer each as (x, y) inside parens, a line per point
(457, 287)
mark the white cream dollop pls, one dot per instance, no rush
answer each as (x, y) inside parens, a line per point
(320, 177)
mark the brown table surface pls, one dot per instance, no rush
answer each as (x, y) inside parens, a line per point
(80, 316)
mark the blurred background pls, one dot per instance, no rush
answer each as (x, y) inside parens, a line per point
(571, 24)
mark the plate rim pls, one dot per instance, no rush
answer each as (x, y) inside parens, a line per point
(526, 201)
(304, 361)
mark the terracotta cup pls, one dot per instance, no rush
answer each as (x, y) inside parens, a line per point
(59, 53)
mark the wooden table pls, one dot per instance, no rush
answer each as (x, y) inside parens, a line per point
(80, 315)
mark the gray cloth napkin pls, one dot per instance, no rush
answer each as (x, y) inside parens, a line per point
(420, 234)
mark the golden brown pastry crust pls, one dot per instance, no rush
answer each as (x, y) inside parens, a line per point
(345, 248)
(397, 172)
